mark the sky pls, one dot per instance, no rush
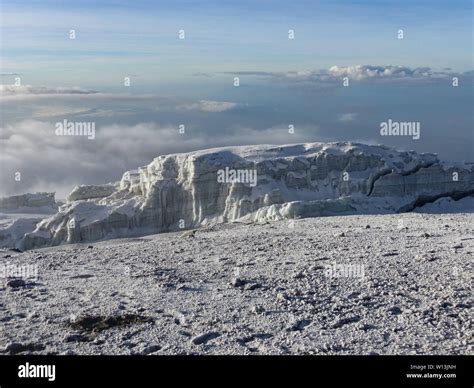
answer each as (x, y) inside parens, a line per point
(190, 81)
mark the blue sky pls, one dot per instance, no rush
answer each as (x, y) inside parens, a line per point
(190, 81)
(141, 37)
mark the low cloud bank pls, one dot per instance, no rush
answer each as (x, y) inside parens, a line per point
(357, 73)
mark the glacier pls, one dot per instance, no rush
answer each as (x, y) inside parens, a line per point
(19, 214)
(181, 191)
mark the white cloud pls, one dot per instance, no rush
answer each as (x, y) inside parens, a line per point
(200, 105)
(28, 92)
(357, 73)
(40, 90)
(347, 117)
(362, 72)
(52, 111)
(212, 106)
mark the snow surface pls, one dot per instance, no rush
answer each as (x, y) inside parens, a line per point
(257, 288)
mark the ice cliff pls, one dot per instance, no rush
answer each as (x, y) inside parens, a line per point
(29, 203)
(19, 214)
(189, 190)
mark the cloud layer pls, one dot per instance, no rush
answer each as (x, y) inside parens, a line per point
(355, 73)
(30, 92)
(34, 92)
(213, 106)
(210, 106)
(41, 90)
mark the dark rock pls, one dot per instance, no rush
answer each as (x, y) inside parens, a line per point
(258, 309)
(16, 347)
(237, 282)
(367, 327)
(395, 310)
(300, 324)
(99, 323)
(205, 337)
(77, 338)
(16, 283)
(386, 254)
(344, 321)
(151, 349)
(252, 286)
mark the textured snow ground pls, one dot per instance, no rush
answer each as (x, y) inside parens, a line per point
(251, 289)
